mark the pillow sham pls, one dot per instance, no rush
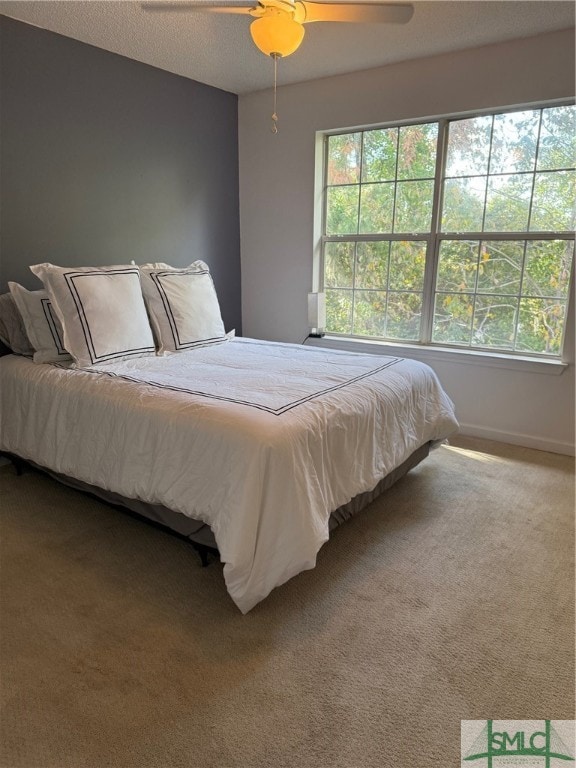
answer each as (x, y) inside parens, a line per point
(102, 311)
(12, 331)
(183, 306)
(42, 326)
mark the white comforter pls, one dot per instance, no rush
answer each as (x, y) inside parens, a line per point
(262, 441)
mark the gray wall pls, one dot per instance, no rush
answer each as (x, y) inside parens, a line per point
(104, 160)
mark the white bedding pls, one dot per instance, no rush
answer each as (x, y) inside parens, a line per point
(260, 440)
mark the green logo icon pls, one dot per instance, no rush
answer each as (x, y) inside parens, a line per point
(517, 744)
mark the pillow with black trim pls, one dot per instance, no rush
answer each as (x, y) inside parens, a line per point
(183, 306)
(12, 331)
(42, 326)
(102, 311)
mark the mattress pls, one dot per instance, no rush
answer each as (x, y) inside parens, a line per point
(260, 441)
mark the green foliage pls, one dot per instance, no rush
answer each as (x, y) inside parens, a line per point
(404, 316)
(342, 210)
(509, 277)
(372, 264)
(508, 203)
(547, 271)
(553, 207)
(376, 208)
(389, 279)
(413, 206)
(514, 139)
(468, 147)
(453, 317)
(339, 311)
(540, 325)
(557, 148)
(395, 188)
(379, 155)
(417, 151)
(407, 262)
(463, 204)
(344, 153)
(339, 265)
(513, 172)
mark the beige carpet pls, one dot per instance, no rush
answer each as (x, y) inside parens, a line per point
(450, 598)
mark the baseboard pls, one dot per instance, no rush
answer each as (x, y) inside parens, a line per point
(517, 438)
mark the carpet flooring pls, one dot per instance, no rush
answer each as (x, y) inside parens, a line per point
(451, 597)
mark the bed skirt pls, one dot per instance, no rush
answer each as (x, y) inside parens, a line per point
(201, 534)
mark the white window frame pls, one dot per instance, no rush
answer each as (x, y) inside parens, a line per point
(434, 350)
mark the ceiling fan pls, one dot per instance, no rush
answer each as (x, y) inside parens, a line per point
(278, 26)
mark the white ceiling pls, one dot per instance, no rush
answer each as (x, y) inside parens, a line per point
(218, 50)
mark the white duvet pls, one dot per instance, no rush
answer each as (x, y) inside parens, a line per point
(260, 440)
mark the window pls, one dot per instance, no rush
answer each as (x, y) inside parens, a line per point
(456, 232)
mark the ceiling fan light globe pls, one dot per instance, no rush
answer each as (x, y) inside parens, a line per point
(276, 33)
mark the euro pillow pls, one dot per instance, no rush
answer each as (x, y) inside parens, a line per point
(183, 306)
(12, 331)
(102, 311)
(42, 326)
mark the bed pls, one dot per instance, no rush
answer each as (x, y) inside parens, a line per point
(124, 382)
(257, 447)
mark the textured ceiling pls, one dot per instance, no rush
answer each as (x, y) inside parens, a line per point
(217, 49)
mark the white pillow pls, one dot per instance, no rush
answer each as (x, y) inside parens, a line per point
(42, 326)
(12, 329)
(101, 309)
(183, 306)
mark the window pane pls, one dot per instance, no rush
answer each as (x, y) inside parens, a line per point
(417, 151)
(344, 158)
(557, 148)
(553, 206)
(342, 210)
(407, 262)
(494, 321)
(339, 265)
(508, 203)
(413, 206)
(513, 172)
(548, 266)
(514, 140)
(457, 265)
(453, 318)
(463, 207)
(376, 208)
(372, 265)
(468, 147)
(379, 155)
(540, 326)
(500, 267)
(370, 313)
(339, 311)
(404, 313)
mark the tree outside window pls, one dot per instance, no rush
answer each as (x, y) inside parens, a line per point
(483, 205)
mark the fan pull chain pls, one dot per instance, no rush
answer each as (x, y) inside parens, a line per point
(274, 127)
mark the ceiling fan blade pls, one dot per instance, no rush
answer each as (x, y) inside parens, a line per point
(169, 7)
(373, 13)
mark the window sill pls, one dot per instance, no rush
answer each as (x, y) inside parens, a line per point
(442, 354)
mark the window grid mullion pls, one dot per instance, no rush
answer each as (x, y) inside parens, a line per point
(432, 250)
(488, 175)
(355, 255)
(325, 146)
(521, 289)
(536, 153)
